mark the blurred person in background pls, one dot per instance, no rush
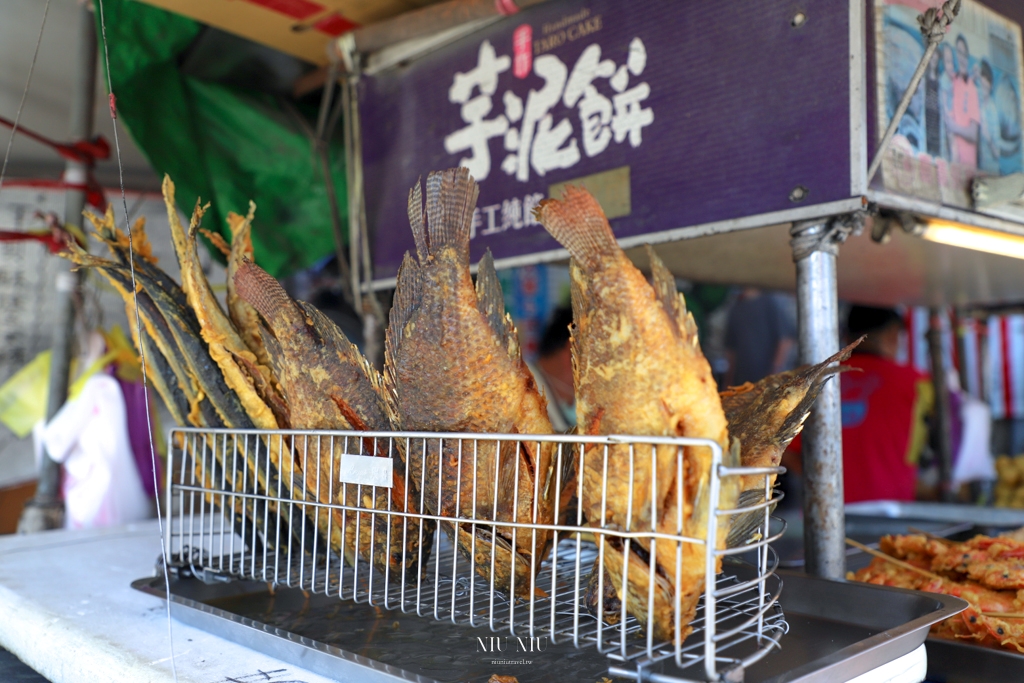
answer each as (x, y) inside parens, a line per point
(884, 405)
(553, 371)
(760, 337)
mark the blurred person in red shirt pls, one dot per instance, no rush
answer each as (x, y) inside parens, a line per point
(883, 407)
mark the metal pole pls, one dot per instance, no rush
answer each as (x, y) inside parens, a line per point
(45, 510)
(818, 320)
(943, 409)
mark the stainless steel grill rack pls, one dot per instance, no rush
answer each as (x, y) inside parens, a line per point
(291, 507)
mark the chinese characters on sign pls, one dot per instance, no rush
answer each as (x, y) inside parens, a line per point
(531, 136)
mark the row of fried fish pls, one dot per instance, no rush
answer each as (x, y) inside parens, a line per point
(453, 364)
(987, 572)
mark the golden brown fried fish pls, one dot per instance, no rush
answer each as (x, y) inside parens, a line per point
(766, 417)
(453, 365)
(330, 385)
(640, 371)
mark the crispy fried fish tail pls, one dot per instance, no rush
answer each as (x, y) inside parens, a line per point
(579, 225)
(242, 314)
(232, 356)
(332, 386)
(766, 417)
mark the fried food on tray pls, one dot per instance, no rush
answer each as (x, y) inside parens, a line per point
(639, 370)
(996, 563)
(947, 568)
(453, 364)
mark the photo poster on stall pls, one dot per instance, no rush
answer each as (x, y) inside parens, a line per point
(964, 120)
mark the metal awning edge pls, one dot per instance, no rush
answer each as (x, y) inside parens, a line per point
(676, 234)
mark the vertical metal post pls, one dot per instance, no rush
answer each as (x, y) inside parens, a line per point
(45, 510)
(818, 321)
(943, 409)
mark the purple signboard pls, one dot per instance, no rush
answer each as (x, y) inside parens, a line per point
(675, 113)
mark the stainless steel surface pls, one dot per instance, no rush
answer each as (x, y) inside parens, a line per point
(223, 470)
(839, 630)
(952, 662)
(844, 629)
(864, 528)
(1006, 518)
(818, 330)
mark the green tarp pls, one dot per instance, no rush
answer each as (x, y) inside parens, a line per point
(223, 144)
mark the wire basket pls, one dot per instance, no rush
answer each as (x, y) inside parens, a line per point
(327, 512)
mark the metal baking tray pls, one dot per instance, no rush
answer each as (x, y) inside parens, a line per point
(867, 522)
(948, 513)
(953, 662)
(838, 630)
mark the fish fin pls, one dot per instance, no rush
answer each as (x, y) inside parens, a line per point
(408, 293)
(671, 299)
(417, 221)
(216, 239)
(329, 331)
(816, 376)
(451, 199)
(664, 284)
(579, 224)
(198, 212)
(262, 291)
(578, 301)
(491, 304)
(745, 525)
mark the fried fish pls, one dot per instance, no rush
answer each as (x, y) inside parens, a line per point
(251, 382)
(330, 385)
(453, 364)
(639, 370)
(766, 417)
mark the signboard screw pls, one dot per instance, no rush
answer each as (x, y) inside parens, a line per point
(798, 194)
(798, 20)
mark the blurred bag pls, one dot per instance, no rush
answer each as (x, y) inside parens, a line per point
(23, 396)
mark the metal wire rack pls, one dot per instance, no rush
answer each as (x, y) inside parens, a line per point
(467, 528)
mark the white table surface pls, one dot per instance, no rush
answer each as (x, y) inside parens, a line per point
(68, 611)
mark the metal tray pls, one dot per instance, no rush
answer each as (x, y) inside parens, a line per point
(948, 661)
(952, 662)
(838, 630)
(950, 513)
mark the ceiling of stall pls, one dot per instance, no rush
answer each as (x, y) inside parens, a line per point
(906, 270)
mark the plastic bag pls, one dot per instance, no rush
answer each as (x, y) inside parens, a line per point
(23, 396)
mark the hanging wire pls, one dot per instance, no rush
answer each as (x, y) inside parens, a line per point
(138, 327)
(24, 94)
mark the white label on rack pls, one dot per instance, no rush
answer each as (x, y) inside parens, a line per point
(365, 469)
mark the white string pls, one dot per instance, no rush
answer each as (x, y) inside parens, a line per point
(138, 327)
(24, 94)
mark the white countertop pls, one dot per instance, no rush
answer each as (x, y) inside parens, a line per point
(69, 612)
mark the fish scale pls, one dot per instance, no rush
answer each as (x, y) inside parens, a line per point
(330, 385)
(453, 364)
